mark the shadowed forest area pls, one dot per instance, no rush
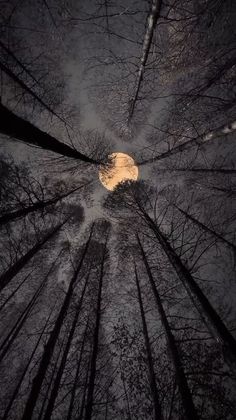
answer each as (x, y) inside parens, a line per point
(121, 304)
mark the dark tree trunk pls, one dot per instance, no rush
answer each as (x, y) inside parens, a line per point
(57, 382)
(147, 42)
(152, 379)
(40, 205)
(185, 393)
(89, 403)
(222, 332)
(15, 268)
(15, 291)
(26, 88)
(12, 335)
(81, 408)
(197, 141)
(210, 171)
(51, 380)
(73, 391)
(19, 383)
(17, 127)
(49, 348)
(207, 229)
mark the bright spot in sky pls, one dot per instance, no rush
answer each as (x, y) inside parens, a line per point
(121, 168)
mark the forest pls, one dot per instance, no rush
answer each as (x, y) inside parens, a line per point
(117, 210)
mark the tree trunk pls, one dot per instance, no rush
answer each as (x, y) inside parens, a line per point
(19, 383)
(180, 375)
(73, 391)
(17, 127)
(210, 171)
(207, 229)
(197, 141)
(9, 217)
(49, 347)
(222, 332)
(152, 379)
(15, 268)
(147, 42)
(89, 403)
(9, 340)
(57, 382)
(27, 89)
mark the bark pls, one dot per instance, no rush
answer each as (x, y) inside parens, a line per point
(12, 335)
(15, 291)
(147, 42)
(51, 343)
(227, 340)
(16, 127)
(152, 379)
(40, 205)
(184, 390)
(207, 229)
(50, 381)
(210, 171)
(81, 409)
(197, 141)
(28, 90)
(57, 382)
(73, 391)
(19, 383)
(15, 268)
(89, 403)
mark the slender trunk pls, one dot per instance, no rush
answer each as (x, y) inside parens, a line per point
(73, 391)
(15, 268)
(152, 379)
(222, 332)
(127, 398)
(40, 205)
(81, 409)
(147, 42)
(12, 335)
(51, 381)
(197, 141)
(15, 291)
(207, 229)
(16, 79)
(19, 383)
(210, 171)
(89, 404)
(17, 127)
(57, 382)
(49, 347)
(179, 371)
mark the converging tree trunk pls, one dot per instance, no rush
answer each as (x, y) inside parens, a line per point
(223, 334)
(60, 371)
(197, 141)
(184, 390)
(147, 42)
(16, 127)
(21, 379)
(73, 391)
(152, 379)
(15, 268)
(89, 403)
(40, 205)
(17, 327)
(207, 229)
(49, 347)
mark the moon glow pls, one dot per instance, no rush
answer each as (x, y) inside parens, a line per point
(121, 167)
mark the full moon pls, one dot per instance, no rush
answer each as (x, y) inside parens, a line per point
(121, 167)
